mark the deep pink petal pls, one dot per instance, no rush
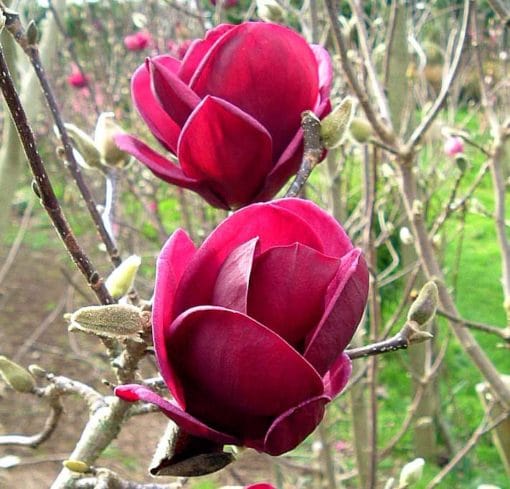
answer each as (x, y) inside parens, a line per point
(172, 261)
(335, 241)
(159, 122)
(198, 49)
(157, 163)
(337, 376)
(292, 427)
(346, 299)
(231, 289)
(235, 372)
(325, 70)
(135, 392)
(165, 169)
(176, 98)
(226, 148)
(288, 288)
(274, 225)
(255, 66)
(260, 485)
(287, 165)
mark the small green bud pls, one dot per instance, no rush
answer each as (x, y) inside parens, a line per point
(461, 162)
(114, 320)
(411, 473)
(424, 307)
(360, 130)
(106, 129)
(76, 466)
(16, 376)
(270, 11)
(121, 279)
(334, 126)
(32, 33)
(91, 157)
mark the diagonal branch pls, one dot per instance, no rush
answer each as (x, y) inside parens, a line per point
(385, 134)
(447, 81)
(44, 188)
(13, 25)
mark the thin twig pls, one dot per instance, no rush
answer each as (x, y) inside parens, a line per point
(381, 129)
(313, 150)
(13, 251)
(434, 272)
(447, 81)
(14, 26)
(44, 187)
(503, 333)
(473, 440)
(34, 441)
(74, 57)
(407, 336)
(377, 90)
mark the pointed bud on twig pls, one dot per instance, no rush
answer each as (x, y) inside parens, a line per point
(424, 307)
(411, 473)
(106, 130)
(16, 376)
(76, 466)
(360, 130)
(32, 33)
(114, 320)
(37, 371)
(122, 278)
(405, 236)
(85, 145)
(334, 126)
(461, 162)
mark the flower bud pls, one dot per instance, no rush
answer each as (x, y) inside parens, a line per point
(86, 147)
(453, 146)
(37, 371)
(334, 126)
(106, 130)
(77, 79)
(121, 279)
(461, 162)
(405, 236)
(16, 376)
(113, 320)
(425, 305)
(32, 33)
(270, 11)
(390, 483)
(411, 473)
(77, 466)
(360, 130)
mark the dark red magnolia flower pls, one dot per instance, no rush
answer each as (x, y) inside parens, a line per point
(250, 328)
(138, 41)
(231, 111)
(260, 485)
